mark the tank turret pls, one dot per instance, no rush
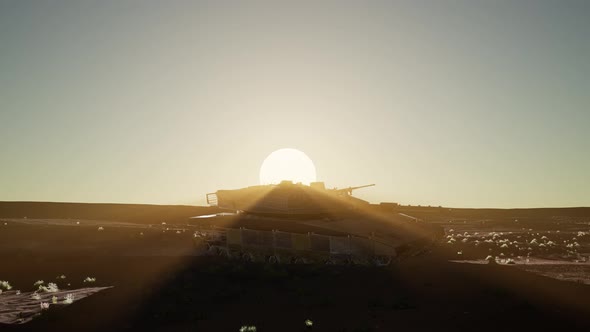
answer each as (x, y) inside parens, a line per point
(288, 199)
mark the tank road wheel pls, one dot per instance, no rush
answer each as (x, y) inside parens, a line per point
(272, 259)
(224, 252)
(376, 261)
(387, 261)
(296, 260)
(382, 261)
(212, 250)
(227, 253)
(330, 261)
(247, 257)
(361, 261)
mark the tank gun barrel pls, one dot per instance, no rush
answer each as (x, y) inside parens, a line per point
(350, 189)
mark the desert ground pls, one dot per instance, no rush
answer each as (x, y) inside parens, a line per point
(157, 279)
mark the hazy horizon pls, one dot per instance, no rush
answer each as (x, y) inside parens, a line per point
(452, 103)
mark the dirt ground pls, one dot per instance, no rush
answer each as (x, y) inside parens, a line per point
(160, 284)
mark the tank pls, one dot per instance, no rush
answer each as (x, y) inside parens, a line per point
(291, 222)
(289, 200)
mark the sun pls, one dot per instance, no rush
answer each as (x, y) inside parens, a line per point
(287, 164)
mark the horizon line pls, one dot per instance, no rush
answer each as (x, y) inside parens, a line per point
(400, 205)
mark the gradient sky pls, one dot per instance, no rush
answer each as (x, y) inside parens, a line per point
(454, 103)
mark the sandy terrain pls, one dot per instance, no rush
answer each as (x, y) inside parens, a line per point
(160, 283)
(21, 307)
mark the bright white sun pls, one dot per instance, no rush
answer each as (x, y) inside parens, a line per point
(287, 164)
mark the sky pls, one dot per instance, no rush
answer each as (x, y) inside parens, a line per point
(454, 103)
